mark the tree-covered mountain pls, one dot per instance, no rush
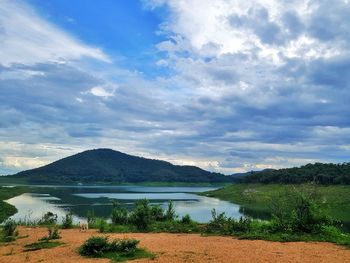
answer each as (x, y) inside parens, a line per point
(107, 166)
(321, 173)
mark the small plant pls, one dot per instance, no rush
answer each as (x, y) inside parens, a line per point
(48, 219)
(157, 213)
(41, 245)
(53, 233)
(186, 219)
(119, 214)
(102, 225)
(67, 221)
(141, 217)
(9, 229)
(90, 216)
(170, 213)
(95, 247)
(116, 250)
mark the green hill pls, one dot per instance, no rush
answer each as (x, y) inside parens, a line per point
(109, 166)
(322, 173)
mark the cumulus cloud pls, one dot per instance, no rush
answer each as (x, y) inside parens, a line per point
(251, 85)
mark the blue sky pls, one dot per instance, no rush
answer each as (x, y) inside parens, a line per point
(226, 85)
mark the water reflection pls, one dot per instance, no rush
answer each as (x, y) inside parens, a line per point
(78, 200)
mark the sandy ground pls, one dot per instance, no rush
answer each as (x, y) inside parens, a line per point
(178, 248)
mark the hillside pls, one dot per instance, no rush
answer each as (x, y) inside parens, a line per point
(107, 166)
(319, 172)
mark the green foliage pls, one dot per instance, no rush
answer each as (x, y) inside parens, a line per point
(102, 225)
(303, 213)
(67, 221)
(94, 247)
(258, 200)
(53, 233)
(9, 229)
(186, 219)
(41, 245)
(119, 214)
(98, 246)
(170, 213)
(321, 173)
(91, 217)
(141, 216)
(48, 219)
(157, 213)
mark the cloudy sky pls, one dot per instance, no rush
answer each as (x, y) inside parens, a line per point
(227, 85)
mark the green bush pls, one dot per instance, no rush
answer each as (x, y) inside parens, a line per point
(170, 213)
(102, 225)
(90, 216)
(98, 246)
(186, 219)
(219, 223)
(305, 212)
(157, 213)
(123, 245)
(94, 247)
(141, 216)
(119, 214)
(53, 233)
(48, 219)
(9, 229)
(67, 221)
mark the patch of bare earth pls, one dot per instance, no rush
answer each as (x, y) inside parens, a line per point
(177, 248)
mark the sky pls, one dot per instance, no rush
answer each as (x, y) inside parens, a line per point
(226, 85)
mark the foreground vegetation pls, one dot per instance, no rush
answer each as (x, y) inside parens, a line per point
(257, 200)
(297, 214)
(116, 250)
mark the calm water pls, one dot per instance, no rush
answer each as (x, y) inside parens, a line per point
(61, 200)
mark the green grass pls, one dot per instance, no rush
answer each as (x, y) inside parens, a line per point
(256, 198)
(7, 210)
(125, 256)
(42, 245)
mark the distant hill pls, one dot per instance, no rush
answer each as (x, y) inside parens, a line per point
(322, 173)
(107, 166)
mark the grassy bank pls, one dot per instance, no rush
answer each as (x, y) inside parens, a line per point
(257, 199)
(7, 210)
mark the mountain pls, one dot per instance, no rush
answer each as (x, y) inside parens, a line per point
(107, 166)
(322, 173)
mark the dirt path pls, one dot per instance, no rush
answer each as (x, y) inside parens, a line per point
(178, 248)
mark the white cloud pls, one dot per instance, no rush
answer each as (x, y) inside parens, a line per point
(26, 38)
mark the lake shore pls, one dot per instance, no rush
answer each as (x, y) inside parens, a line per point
(177, 248)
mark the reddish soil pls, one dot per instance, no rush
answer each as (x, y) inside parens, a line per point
(177, 248)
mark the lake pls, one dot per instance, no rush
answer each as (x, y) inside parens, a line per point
(80, 199)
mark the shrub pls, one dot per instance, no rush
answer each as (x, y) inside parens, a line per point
(123, 245)
(9, 229)
(141, 217)
(48, 219)
(90, 216)
(98, 246)
(157, 213)
(53, 233)
(219, 223)
(67, 221)
(102, 225)
(186, 219)
(170, 213)
(119, 214)
(243, 225)
(305, 213)
(94, 246)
